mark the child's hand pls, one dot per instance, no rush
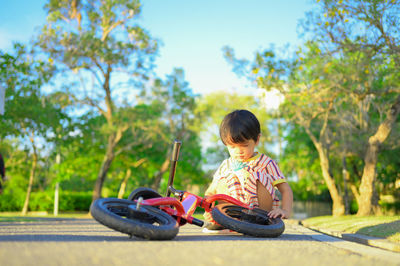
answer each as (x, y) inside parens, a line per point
(279, 213)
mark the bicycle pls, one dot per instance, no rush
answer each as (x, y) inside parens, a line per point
(149, 215)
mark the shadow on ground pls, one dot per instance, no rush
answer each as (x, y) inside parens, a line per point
(381, 230)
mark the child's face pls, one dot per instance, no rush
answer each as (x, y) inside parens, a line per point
(242, 151)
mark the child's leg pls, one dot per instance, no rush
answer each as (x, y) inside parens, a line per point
(264, 197)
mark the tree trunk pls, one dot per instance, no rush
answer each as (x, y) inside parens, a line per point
(338, 206)
(113, 138)
(355, 192)
(108, 158)
(346, 178)
(122, 188)
(31, 177)
(367, 180)
(128, 174)
(369, 172)
(158, 176)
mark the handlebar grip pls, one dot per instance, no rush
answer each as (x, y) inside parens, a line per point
(175, 150)
(197, 222)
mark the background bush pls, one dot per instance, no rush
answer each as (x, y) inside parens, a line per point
(44, 201)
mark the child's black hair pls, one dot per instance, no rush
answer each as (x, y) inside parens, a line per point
(239, 126)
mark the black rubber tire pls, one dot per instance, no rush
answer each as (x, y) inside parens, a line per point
(229, 216)
(144, 192)
(113, 213)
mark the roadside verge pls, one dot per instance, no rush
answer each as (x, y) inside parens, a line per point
(358, 238)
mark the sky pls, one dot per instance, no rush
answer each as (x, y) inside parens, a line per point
(192, 32)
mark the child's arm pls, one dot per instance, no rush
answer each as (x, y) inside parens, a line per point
(212, 189)
(218, 184)
(287, 202)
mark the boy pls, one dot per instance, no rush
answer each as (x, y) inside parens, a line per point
(247, 175)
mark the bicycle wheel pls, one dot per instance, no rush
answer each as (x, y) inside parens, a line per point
(144, 192)
(253, 222)
(121, 215)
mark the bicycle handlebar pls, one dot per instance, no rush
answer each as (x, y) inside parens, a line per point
(174, 161)
(175, 150)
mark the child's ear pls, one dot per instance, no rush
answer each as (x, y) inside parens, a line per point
(258, 139)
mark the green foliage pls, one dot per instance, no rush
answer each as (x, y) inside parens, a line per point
(94, 35)
(388, 168)
(299, 159)
(30, 115)
(310, 190)
(103, 41)
(339, 86)
(340, 80)
(28, 109)
(177, 121)
(300, 164)
(44, 201)
(17, 166)
(12, 201)
(390, 208)
(75, 201)
(353, 207)
(41, 201)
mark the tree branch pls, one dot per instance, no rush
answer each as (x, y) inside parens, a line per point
(326, 119)
(109, 29)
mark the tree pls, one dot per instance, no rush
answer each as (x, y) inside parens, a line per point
(300, 160)
(100, 39)
(377, 34)
(309, 98)
(338, 70)
(177, 121)
(30, 114)
(18, 167)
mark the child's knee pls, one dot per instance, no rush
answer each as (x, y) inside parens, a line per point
(264, 197)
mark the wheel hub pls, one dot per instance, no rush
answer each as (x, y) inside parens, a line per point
(142, 214)
(254, 217)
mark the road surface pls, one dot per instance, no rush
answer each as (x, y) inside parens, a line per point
(86, 242)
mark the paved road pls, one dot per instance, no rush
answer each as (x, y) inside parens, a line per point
(86, 242)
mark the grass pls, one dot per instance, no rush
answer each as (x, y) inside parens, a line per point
(378, 226)
(38, 216)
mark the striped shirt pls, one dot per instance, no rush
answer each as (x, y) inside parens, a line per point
(239, 179)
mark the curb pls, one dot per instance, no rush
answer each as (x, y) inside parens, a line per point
(361, 239)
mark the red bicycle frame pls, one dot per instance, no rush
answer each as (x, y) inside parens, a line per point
(184, 208)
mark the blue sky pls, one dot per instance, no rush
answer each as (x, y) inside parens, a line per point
(192, 32)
